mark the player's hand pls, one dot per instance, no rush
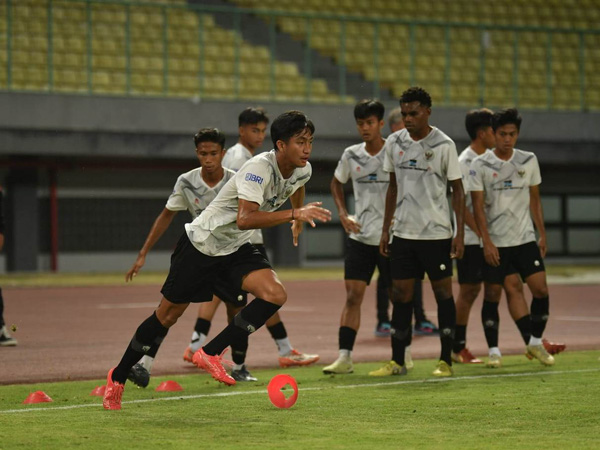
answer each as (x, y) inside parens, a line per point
(350, 224)
(139, 263)
(384, 244)
(311, 212)
(297, 227)
(458, 248)
(491, 255)
(542, 246)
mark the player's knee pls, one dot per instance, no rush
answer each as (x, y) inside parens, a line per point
(353, 299)
(275, 294)
(442, 293)
(540, 292)
(469, 293)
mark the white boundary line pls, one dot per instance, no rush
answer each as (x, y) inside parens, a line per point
(346, 386)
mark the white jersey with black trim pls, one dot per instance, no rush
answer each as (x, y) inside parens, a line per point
(215, 231)
(192, 193)
(370, 183)
(506, 190)
(235, 157)
(423, 169)
(465, 159)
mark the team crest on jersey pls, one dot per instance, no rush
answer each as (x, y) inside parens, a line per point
(521, 173)
(429, 155)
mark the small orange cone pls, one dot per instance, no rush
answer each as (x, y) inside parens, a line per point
(98, 391)
(37, 397)
(168, 386)
(276, 396)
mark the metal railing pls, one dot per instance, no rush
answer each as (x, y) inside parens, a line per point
(581, 92)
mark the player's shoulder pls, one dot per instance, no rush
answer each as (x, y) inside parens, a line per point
(228, 173)
(438, 138)
(191, 174)
(523, 157)
(353, 151)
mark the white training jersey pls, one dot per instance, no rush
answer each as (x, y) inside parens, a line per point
(422, 170)
(235, 157)
(465, 159)
(192, 193)
(215, 231)
(506, 190)
(370, 183)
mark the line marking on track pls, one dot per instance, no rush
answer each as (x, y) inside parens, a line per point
(578, 318)
(264, 391)
(127, 305)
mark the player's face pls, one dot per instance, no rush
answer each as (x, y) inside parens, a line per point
(415, 117)
(252, 135)
(369, 128)
(298, 148)
(210, 155)
(506, 137)
(488, 137)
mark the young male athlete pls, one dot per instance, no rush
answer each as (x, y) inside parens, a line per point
(423, 326)
(215, 249)
(479, 127)
(363, 164)
(504, 186)
(421, 160)
(252, 126)
(194, 191)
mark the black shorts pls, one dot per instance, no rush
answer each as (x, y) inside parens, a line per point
(470, 267)
(412, 258)
(195, 277)
(360, 262)
(524, 259)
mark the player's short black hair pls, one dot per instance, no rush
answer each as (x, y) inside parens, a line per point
(367, 108)
(210, 135)
(478, 119)
(288, 125)
(416, 94)
(505, 117)
(251, 116)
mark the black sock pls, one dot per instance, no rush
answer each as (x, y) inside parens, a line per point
(383, 301)
(202, 326)
(277, 331)
(239, 348)
(490, 320)
(346, 338)
(540, 308)
(524, 326)
(154, 349)
(447, 323)
(460, 338)
(150, 333)
(401, 331)
(248, 320)
(418, 302)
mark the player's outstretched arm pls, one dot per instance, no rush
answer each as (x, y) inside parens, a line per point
(337, 192)
(537, 214)
(250, 217)
(458, 205)
(159, 227)
(390, 207)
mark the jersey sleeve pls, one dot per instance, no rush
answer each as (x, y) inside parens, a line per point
(342, 171)
(176, 201)
(388, 162)
(251, 182)
(475, 179)
(536, 176)
(464, 170)
(453, 169)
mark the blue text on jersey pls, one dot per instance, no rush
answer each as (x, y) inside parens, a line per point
(252, 177)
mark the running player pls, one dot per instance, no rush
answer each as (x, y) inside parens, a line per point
(252, 126)
(215, 248)
(363, 164)
(421, 160)
(193, 191)
(504, 186)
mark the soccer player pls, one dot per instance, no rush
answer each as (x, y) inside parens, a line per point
(504, 186)
(252, 125)
(215, 248)
(363, 164)
(6, 340)
(423, 326)
(421, 160)
(193, 191)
